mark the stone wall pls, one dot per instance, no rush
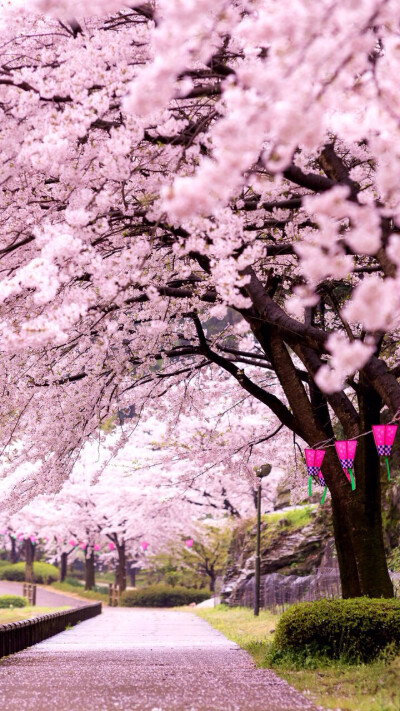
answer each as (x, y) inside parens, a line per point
(291, 554)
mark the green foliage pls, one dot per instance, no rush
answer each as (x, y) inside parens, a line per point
(306, 521)
(12, 601)
(3, 563)
(295, 518)
(74, 582)
(16, 614)
(43, 573)
(254, 634)
(101, 589)
(355, 630)
(105, 577)
(80, 592)
(330, 684)
(193, 567)
(394, 560)
(162, 596)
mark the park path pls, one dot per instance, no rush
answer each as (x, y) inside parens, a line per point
(150, 660)
(44, 598)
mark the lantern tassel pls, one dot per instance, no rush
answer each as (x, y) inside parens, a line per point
(387, 468)
(353, 483)
(309, 485)
(323, 496)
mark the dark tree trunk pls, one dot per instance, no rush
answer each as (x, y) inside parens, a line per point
(132, 576)
(63, 566)
(120, 573)
(213, 578)
(29, 558)
(357, 516)
(365, 505)
(347, 563)
(13, 552)
(311, 414)
(89, 571)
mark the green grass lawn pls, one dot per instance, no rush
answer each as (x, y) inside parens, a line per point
(340, 687)
(15, 614)
(80, 592)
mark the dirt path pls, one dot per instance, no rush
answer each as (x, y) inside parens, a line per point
(150, 660)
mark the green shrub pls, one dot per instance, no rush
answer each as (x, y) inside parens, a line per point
(355, 630)
(102, 589)
(162, 596)
(12, 601)
(43, 573)
(74, 582)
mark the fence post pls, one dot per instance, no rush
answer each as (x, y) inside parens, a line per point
(114, 592)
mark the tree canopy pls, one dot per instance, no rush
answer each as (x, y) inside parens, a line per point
(164, 165)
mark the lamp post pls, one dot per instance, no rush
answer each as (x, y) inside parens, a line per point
(261, 472)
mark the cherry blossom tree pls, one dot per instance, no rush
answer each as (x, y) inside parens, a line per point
(166, 165)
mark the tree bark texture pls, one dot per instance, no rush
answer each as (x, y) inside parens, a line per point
(132, 576)
(63, 566)
(13, 552)
(89, 570)
(29, 548)
(120, 573)
(357, 519)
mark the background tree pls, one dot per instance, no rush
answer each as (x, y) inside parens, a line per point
(192, 561)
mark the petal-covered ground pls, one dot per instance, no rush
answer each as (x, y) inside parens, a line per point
(152, 660)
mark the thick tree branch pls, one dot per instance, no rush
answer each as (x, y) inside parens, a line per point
(271, 401)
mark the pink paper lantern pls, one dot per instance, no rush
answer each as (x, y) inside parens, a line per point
(314, 458)
(82, 546)
(111, 546)
(346, 450)
(144, 545)
(71, 542)
(96, 547)
(384, 437)
(189, 542)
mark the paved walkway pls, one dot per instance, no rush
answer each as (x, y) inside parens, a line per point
(150, 660)
(44, 598)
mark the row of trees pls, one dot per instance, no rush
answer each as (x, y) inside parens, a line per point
(118, 519)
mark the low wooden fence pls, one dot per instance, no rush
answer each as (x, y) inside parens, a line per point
(114, 592)
(19, 635)
(29, 591)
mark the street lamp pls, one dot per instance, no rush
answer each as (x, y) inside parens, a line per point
(261, 472)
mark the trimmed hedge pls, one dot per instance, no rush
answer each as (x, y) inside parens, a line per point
(162, 596)
(43, 573)
(355, 630)
(12, 601)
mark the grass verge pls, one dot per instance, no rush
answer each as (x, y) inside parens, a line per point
(333, 685)
(16, 614)
(79, 593)
(240, 625)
